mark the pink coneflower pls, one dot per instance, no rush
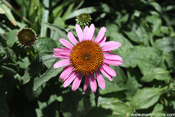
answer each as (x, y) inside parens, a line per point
(87, 57)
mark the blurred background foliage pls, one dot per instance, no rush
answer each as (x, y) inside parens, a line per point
(30, 86)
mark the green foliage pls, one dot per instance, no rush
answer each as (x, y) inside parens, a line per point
(145, 82)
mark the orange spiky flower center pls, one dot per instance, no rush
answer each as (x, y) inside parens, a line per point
(86, 57)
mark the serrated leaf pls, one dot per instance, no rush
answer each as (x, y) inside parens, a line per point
(47, 59)
(145, 57)
(167, 44)
(132, 86)
(24, 63)
(156, 21)
(45, 44)
(11, 37)
(51, 72)
(114, 34)
(138, 34)
(146, 97)
(158, 74)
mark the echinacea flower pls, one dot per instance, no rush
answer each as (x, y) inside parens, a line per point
(87, 57)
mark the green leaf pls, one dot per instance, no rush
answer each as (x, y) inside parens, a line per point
(68, 11)
(145, 57)
(57, 33)
(157, 108)
(132, 87)
(58, 21)
(11, 37)
(169, 58)
(8, 69)
(4, 110)
(156, 21)
(45, 44)
(47, 59)
(83, 10)
(158, 74)
(112, 86)
(119, 109)
(166, 44)
(51, 72)
(24, 63)
(165, 30)
(114, 34)
(156, 6)
(146, 97)
(138, 34)
(8, 13)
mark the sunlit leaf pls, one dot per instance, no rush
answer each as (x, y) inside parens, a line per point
(11, 37)
(146, 97)
(145, 57)
(45, 44)
(8, 13)
(167, 44)
(158, 74)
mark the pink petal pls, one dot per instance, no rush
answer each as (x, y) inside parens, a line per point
(111, 45)
(91, 32)
(77, 82)
(93, 83)
(112, 62)
(100, 35)
(66, 53)
(66, 72)
(102, 42)
(61, 63)
(112, 57)
(72, 38)
(79, 32)
(66, 43)
(86, 83)
(60, 56)
(56, 50)
(64, 48)
(100, 80)
(70, 79)
(106, 74)
(109, 70)
(85, 35)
